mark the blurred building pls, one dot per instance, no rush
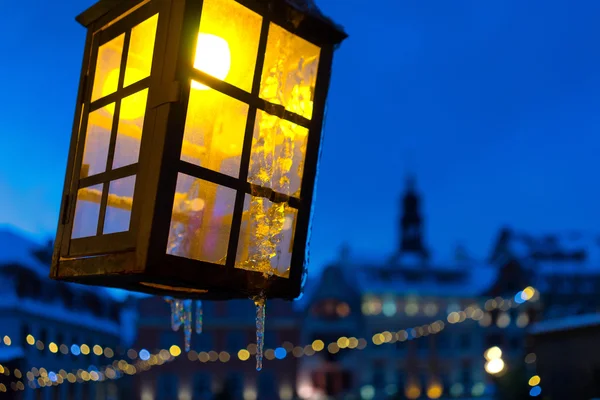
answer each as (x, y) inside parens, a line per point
(405, 297)
(221, 364)
(45, 326)
(567, 357)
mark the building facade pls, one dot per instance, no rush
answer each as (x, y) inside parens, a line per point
(405, 301)
(47, 327)
(221, 363)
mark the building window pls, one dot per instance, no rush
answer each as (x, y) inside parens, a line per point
(465, 341)
(236, 340)
(167, 387)
(202, 387)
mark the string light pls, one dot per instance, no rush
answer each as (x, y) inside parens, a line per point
(147, 360)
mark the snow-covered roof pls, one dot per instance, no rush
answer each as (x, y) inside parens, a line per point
(572, 251)
(16, 248)
(429, 280)
(566, 323)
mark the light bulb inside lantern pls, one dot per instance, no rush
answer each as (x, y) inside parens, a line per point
(132, 107)
(213, 57)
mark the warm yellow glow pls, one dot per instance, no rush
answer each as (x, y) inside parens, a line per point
(243, 354)
(7, 341)
(53, 347)
(435, 391)
(534, 380)
(493, 353)
(30, 340)
(494, 366)
(85, 349)
(97, 350)
(527, 293)
(212, 56)
(343, 342)
(132, 107)
(318, 345)
(413, 392)
(175, 350)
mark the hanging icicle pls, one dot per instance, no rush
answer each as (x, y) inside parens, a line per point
(181, 314)
(260, 302)
(198, 316)
(187, 323)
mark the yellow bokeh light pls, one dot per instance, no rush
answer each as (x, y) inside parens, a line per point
(494, 366)
(243, 354)
(97, 350)
(534, 380)
(493, 353)
(343, 342)
(53, 347)
(85, 349)
(212, 56)
(527, 293)
(175, 350)
(435, 391)
(30, 340)
(318, 345)
(413, 392)
(7, 341)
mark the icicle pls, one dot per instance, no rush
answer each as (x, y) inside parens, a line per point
(198, 316)
(187, 323)
(175, 312)
(260, 302)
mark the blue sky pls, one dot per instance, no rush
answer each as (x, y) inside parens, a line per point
(494, 105)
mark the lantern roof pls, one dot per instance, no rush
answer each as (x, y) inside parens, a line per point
(307, 7)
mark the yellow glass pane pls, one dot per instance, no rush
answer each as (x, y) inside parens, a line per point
(97, 139)
(278, 152)
(227, 43)
(108, 62)
(214, 131)
(118, 205)
(290, 71)
(266, 236)
(129, 131)
(201, 220)
(87, 210)
(141, 49)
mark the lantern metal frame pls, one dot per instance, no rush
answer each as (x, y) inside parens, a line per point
(137, 259)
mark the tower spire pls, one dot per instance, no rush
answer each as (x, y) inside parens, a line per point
(411, 222)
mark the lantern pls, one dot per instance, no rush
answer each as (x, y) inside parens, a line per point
(195, 145)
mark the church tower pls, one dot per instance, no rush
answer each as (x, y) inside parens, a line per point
(411, 223)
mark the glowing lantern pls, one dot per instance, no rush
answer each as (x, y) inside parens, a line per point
(195, 147)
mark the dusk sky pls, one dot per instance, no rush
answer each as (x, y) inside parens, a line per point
(495, 106)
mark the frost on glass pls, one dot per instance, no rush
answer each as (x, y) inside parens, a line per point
(106, 76)
(141, 49)
(201, 220)
(227, 43)
(266, 236)
(129, 131)
(119, 204)
(277, 156)
(87, 211)
(214, 131)
(290, 71)
(97, 140)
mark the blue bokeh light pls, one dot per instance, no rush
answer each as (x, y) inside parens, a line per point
(535, 391)
(518, 298)
(280, 353)
(144, 355)
(75, 350)
(52, 376)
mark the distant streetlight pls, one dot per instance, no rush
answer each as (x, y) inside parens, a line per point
(494, 364)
